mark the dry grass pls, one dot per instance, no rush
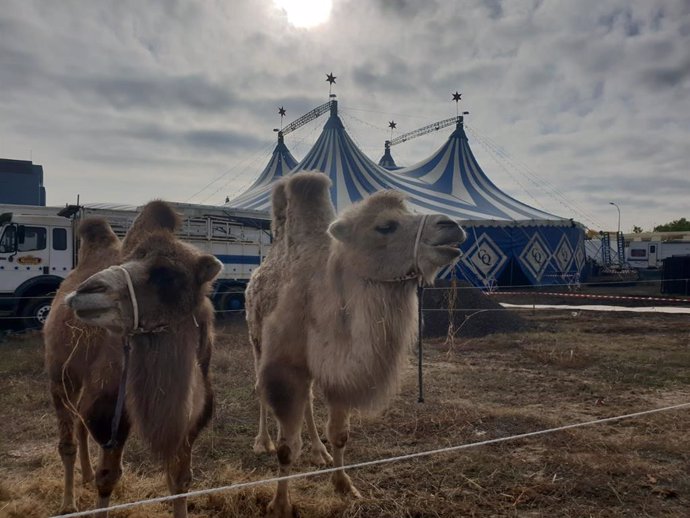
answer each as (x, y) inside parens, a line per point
(569, 369)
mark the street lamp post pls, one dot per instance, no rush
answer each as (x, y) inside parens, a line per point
(619, 215)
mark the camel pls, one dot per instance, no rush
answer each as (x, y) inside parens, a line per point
(345, 312)
(153, 299)
(73, 352)
(263, 279)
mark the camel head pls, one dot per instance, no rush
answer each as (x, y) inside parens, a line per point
(377, 238)
(169, 279)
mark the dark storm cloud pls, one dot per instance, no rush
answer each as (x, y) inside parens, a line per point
(154, 93)
(623, 18)
(494, 7)
(666, 76)
(218, 140)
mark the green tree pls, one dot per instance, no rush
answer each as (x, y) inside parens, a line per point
(677, 225)
(637, 230)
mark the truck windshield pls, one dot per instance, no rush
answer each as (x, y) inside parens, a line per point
(7, 240)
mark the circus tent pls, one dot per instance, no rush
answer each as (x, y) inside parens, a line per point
(279, 165)
(387, 161)
(509, 242)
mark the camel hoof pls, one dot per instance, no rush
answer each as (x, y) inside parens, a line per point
(343, 486)
(262, 445)
(87, 479)
(281, 510)
(67, 509)
(319, 456)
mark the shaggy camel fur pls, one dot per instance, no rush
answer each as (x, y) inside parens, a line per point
(83, 365)
(263, 280)
(169, 323)
(345, 312)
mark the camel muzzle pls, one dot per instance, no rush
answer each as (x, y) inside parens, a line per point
(91, 307)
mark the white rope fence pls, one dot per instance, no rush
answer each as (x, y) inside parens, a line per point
(388, 460)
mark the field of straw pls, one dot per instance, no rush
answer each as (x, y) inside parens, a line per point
(568, 368)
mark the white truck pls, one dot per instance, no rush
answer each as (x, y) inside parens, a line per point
(38, 248)
(650, 254)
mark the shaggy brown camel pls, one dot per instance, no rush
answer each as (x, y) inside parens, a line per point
(83, 365)
(156, 301)
(264, 279)
(345, 313)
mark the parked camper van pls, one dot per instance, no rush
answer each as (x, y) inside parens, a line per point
(38, 248)
(650, 254)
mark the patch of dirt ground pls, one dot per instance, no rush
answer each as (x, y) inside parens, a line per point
(568, 368)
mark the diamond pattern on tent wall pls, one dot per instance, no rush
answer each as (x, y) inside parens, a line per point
(580, 256)
(563, 255)
(535, 257)
(485, 258)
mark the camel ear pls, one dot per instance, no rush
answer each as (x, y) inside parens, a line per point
(340, 230)
(207, 268)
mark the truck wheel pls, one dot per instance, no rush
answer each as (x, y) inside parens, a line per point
(35, 313)
(232, 303)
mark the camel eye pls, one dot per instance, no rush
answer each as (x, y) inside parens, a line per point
(388, 228)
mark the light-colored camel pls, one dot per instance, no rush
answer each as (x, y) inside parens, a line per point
(345, 311)
(156, 301)
(264, 279)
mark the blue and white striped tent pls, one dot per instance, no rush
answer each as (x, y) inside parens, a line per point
(387, 161)
(280, 164)
(509, 242)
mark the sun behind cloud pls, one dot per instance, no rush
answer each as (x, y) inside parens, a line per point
(305, 13)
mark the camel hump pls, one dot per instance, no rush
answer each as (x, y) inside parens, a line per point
(309, 206)
(158, 215)
(96, 231)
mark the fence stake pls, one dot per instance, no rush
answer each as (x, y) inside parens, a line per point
(420, 298)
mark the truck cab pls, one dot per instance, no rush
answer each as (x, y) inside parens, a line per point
(36, 254)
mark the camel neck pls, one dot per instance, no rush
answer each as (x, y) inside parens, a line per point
(160, 384)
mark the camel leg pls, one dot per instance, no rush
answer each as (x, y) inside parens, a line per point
(179, 478)
(287, 392)
(62, 394)
(263, 442)
(108, 473)
(319, 454)
(84, 458)
(338, 433)
(288, 451)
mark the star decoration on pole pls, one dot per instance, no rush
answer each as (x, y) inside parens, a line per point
(330, 78)
(392, 126)
(457, 98)
(281, 112)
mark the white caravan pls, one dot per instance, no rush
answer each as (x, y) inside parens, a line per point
(38, 248)
(650, 254)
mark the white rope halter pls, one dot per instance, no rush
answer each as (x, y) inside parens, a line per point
(416, 272)
(132, 298)
(136, 329)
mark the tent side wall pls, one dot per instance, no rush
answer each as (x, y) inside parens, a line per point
(515, 255)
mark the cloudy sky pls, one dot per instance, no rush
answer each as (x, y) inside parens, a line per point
(573, 104)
